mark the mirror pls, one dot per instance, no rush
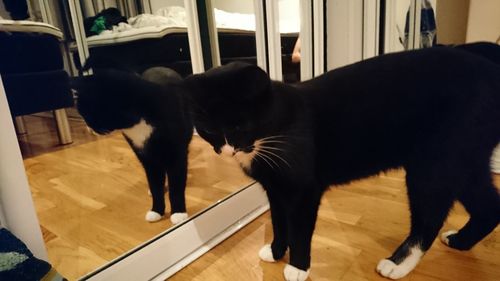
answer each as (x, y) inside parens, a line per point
(91, 194)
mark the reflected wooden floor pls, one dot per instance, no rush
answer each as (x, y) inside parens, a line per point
(357, 225)
(91, 196)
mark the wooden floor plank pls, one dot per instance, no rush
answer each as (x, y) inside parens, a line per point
(91, 196)
(358, 224)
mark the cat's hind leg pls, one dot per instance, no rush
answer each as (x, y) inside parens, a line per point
(177, 179)
(482, 201)
(430, 198)
(156, 181)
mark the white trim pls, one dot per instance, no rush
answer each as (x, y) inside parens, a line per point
(274, 40)
(255, 196)
(171, 251)
(319, 35)
(390, 31)
(371, 16)
(45, 11)
(306, 44)
(30, 26)
(194, 36)
(411, 25)
(417, 21)
(213, 34)
(260, 41)
(78, 28)
(18, 211)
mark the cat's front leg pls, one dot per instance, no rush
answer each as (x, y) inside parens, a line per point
(301, 222)
(277, 249)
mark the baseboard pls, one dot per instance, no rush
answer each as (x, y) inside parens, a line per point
(169, 252)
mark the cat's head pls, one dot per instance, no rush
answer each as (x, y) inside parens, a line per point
(109, 99)
(231, 107)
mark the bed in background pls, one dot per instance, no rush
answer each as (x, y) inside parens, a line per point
(160, 39)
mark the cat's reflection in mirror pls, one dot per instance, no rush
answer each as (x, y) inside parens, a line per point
(150, 111)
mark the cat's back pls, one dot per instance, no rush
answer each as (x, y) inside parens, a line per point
(379, 110)
(400, 71)
(430, 77)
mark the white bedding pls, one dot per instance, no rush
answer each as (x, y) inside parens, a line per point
(173, 20)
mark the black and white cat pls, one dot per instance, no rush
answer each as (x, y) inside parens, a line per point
(354, 122)
(151, 113)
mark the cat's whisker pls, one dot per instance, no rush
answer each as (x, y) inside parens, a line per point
(261, 157)
(272, 141)
(283, 137)
(274, 137)
(271, 147)
(276, 155)
(264, 156)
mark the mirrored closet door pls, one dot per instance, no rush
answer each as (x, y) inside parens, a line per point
(91, 196)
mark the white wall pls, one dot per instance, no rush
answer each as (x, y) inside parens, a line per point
(484, 21)
(239, 6)
(158, 4)
(289, 14)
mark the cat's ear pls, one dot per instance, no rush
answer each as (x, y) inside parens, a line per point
(250, 82)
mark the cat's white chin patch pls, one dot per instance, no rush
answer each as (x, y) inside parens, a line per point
(444, 236)
(389, 269)
(294, 274)
(245, 159)
(176, 218)
(152, 216)
(266, 253)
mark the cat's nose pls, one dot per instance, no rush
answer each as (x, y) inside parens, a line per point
(227, 150)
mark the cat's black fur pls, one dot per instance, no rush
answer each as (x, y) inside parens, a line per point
(113, 99)
(435, 112)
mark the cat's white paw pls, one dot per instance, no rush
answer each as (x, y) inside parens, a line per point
(389, 269)
(266, 253)
(176, 218)
(444, 236)
(152, 216)
(294, 274)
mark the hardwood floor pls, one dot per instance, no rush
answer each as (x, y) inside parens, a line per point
(91, 199)
(358, 224)
(91, 196)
